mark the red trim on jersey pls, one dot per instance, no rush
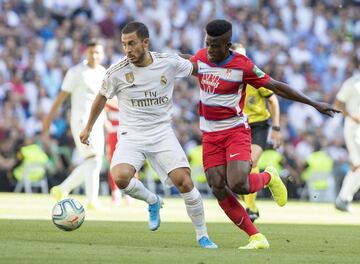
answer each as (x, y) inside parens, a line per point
(216, 113)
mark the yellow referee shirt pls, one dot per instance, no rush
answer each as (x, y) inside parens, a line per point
(255, 104)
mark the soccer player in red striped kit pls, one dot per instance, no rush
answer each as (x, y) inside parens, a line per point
(223, 75)
(112, 124)
(112, 113)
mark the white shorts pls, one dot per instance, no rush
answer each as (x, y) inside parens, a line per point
(96, 140)
(352, 140)
(163, 152)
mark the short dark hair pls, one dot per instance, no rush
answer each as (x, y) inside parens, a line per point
(93, 43)
(139, 28)
(218, 27)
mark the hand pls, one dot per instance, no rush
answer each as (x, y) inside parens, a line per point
(84, 136)
(326, 109)
(355, 118)
(276, 138)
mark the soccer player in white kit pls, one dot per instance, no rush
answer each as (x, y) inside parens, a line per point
(82, 83)
(348, 101)
(143, 82)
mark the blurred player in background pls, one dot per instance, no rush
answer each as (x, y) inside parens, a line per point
(82, 83)
(258, 117)
(348, 101)
(111, 125)
(223, 75)
(143, 82)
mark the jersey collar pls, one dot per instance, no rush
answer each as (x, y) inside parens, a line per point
(226, 60)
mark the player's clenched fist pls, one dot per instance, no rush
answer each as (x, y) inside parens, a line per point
(84, 136)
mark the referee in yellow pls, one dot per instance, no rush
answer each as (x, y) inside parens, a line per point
(258, 118)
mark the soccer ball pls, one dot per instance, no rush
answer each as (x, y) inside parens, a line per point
(68, 214)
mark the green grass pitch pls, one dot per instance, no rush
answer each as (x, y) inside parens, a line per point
(120, 235)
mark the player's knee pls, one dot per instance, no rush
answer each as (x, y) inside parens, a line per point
(240, 186)
(186, 185)
(219, 192)
(182, 179)
(122, 176)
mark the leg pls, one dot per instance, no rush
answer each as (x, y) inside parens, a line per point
(75, 179)
(238, 160)
(88, 171)
(350, 186)
(351, 181)
(92, 178)
(233, 209)
(124, 177)
(194, 205)
(111, 145)
(214, 159)
(250, 201)
(239, 183)
(227, 201)
(250, 198)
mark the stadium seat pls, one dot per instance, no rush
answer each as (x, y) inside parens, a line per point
(320, 187)
(27, 184)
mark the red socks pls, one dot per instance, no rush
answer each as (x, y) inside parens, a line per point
(258, 181)
(237, 214)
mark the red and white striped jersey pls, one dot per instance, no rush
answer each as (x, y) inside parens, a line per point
(222, 89)
(112, 114)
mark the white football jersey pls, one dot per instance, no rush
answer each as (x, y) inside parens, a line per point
(83, 83)
(145, 93)
(349, 94)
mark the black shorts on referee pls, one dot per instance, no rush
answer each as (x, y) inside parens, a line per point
(259, 133)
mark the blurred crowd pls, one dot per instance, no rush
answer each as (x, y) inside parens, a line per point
(309, 44)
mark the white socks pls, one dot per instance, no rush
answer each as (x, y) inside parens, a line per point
(92, 180)
(350, 185)
(195, 210)
(137, 190)
(88, 171)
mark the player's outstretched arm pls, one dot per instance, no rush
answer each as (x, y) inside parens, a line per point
(284, 90)
(274, 109)
(54, 108)
(96, 108)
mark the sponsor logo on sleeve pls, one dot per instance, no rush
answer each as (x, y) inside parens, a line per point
(259, 73)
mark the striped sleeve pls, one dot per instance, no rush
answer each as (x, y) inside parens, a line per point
(108, 88)
(253, 75)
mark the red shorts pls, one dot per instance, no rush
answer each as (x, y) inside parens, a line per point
(223, 146)
(111, 144)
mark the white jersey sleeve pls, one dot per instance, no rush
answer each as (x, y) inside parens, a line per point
(108, 88)
(345, 92)
(183, 67)
(69, 81)
(112, 82)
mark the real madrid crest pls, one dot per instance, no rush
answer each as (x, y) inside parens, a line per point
(130, 77)
(163, 80)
